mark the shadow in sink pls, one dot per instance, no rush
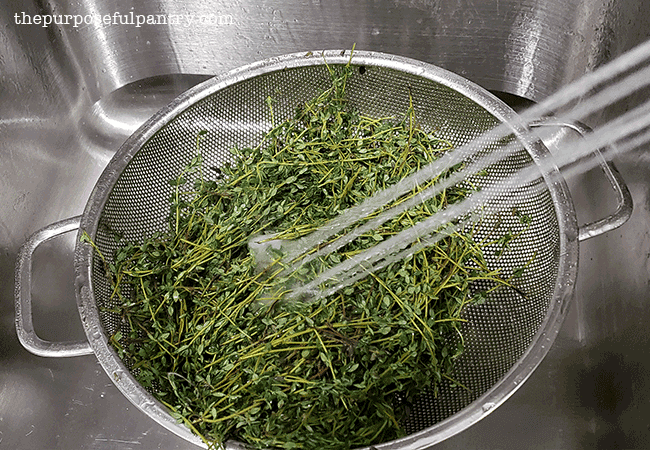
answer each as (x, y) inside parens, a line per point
(115, 117)
(602, 383)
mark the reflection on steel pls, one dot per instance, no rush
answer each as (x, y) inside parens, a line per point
(70, 96)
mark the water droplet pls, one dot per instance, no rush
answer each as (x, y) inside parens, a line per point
(488, 406)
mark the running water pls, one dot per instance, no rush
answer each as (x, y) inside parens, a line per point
(613, 82)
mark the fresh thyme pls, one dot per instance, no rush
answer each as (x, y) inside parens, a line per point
(336, 373)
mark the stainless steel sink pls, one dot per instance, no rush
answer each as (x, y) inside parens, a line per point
(70, 95)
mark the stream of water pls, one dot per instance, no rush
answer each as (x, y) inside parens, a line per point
(597, 90)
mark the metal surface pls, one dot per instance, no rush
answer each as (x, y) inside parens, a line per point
(24, 320)
(71, 96)
(624, 201)
(505, 338)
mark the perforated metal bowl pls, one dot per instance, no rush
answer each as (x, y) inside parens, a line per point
(505, 338)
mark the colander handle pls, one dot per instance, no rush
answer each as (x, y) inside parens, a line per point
(623, 198)
(23, 296)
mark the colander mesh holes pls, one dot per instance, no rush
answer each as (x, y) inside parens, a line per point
(498, 332)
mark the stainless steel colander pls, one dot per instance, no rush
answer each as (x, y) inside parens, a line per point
(505, 338)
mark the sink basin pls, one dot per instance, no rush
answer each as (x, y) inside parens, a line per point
(72, 93)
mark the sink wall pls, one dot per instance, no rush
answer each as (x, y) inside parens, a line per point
(69, 96)
(524, 47)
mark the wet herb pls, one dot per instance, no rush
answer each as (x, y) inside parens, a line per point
(332, 374)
